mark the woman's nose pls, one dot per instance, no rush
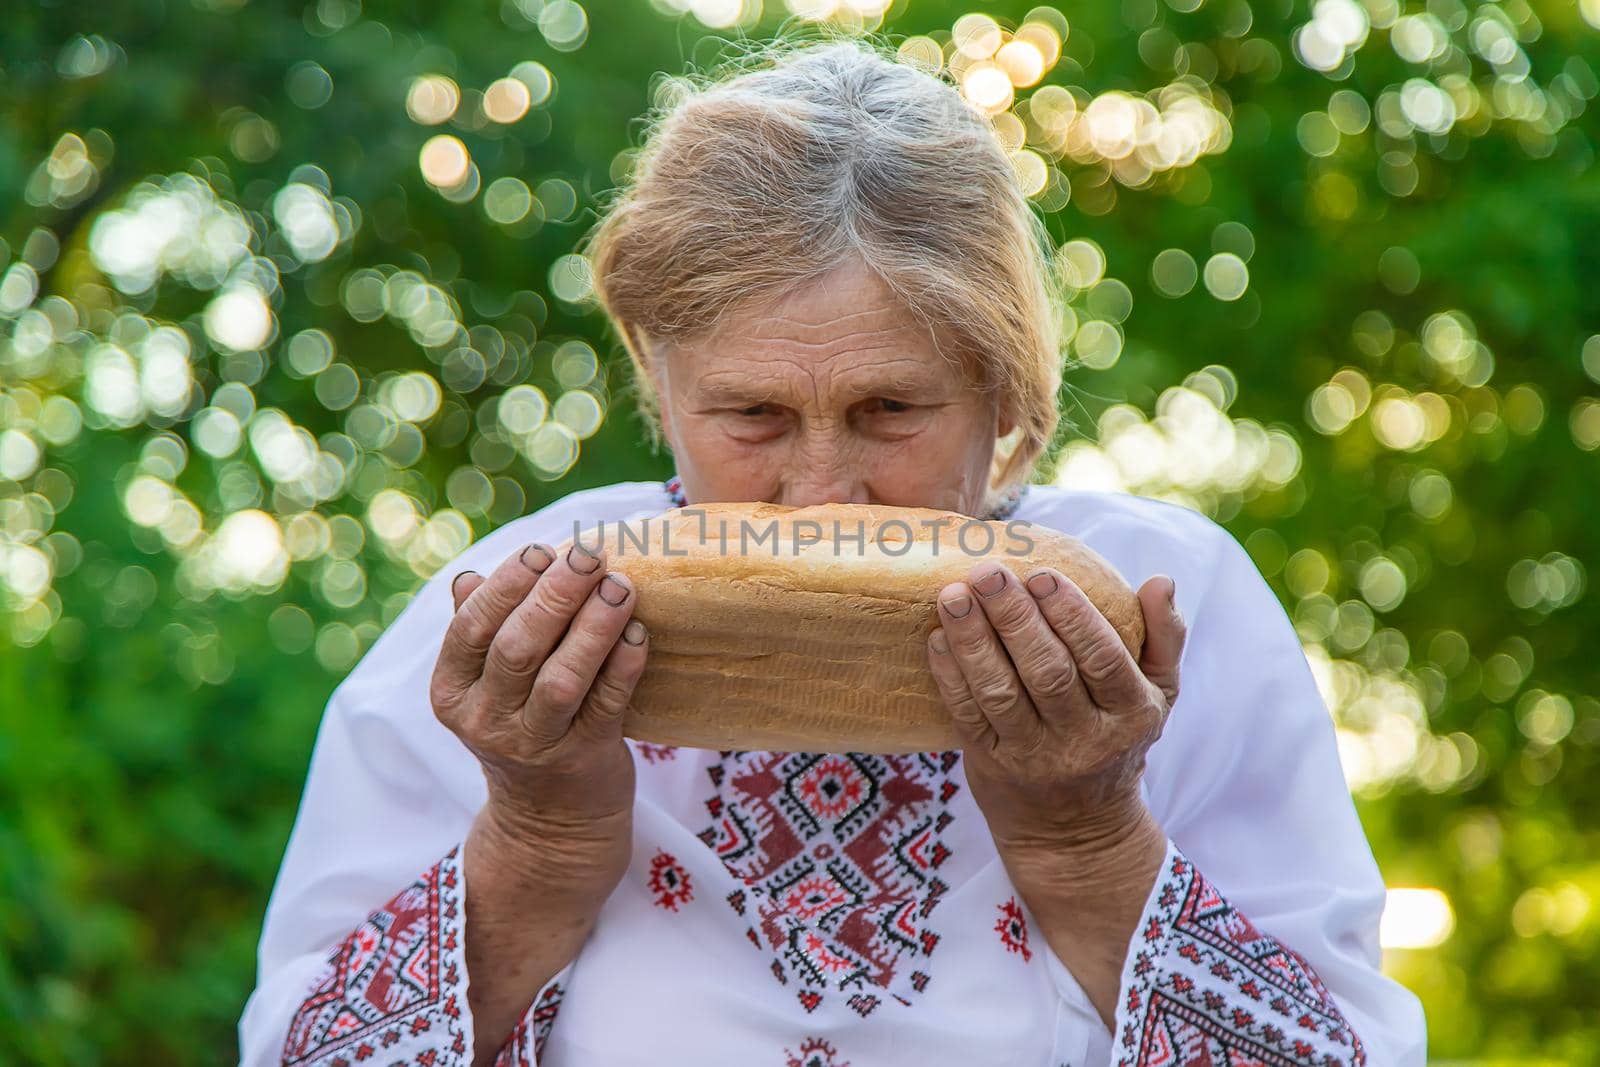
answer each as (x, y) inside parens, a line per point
(839, 485)
(824, 468)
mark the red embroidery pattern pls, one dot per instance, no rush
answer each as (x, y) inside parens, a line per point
(1206, 986)
(515, 1052)
(526, 1043)
(655, 753)
(669, 881)
(814, 1052)
(1012, 927)
(391, 988)
(544, 1015)
(839, 857)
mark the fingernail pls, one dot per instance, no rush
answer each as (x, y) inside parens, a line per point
(1042, 584)
(990, 584)
(634, 633)
(938, 642)
(457, 581)
(1172, 592)
(612, 591)
(533, 562)
(581, 559)
(958, 605)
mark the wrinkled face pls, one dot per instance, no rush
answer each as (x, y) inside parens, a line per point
(835, 393)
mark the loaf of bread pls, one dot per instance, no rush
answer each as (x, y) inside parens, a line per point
(805, 629)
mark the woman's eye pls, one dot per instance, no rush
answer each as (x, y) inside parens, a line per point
(755, 410)
(892, 407)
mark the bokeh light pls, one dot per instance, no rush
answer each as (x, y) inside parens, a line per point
(507, 100)
(1416, 918)
(445, 161)
(432, 100)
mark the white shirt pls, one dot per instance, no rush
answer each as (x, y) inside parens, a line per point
(825, 910)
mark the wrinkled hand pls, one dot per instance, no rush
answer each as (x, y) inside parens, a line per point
(535, 672)
(1056, 715)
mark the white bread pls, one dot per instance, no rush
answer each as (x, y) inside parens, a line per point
(805, 629)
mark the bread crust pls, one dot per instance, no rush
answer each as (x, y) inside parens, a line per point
(805, 629)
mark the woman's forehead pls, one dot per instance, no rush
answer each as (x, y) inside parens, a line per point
(848, 299)
(854, 354)
(845, 377)
(847, 326)
(844, 313)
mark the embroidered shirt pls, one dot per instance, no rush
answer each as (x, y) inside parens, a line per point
(829, 909)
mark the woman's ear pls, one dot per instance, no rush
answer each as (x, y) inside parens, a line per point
(1007, 423)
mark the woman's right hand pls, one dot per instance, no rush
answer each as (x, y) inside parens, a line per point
(536, 670)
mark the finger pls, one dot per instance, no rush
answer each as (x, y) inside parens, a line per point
(535, 625)
(1110, 675)
(462, 585)
(971, 723)
(481, 607)
(1042, 661)
(987, 668)
(563, 681)
(1164, 635)
(613, 687)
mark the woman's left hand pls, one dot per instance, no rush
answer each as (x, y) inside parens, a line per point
(1056, 714)
(1057, 718)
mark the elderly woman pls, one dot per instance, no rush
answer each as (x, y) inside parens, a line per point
(832, 289)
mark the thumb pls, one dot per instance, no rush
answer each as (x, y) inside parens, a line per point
(1164, 633)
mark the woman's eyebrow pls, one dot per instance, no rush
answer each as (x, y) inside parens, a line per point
(898, 382)
(902, 376)
(739, 392)
(901, 381)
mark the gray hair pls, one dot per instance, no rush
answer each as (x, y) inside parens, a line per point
(754, 181)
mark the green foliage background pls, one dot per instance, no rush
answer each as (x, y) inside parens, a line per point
(155, 729)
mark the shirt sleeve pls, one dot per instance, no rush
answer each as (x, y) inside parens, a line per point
(396, 984)
(389, 792)
(396, 987)
(1246, 781)
(1202, 985)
